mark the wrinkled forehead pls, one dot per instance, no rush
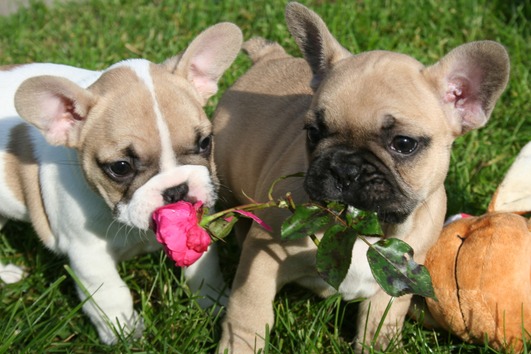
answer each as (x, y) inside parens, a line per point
(373, 76)
(374, 85)
(140, 86)
(143, 107)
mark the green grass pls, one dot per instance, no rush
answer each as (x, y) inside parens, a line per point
(42, 313)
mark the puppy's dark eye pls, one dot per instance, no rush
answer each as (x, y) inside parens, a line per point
(120, 170)
(205, 145)
(313, 134)
(403, 144)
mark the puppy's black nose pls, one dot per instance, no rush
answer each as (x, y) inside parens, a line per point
(346, 169)
(174, 194)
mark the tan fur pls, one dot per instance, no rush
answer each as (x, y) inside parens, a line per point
(259, 137)
(480, 270)
(121, 89)
(9, 67)
(19, 152)
(141, 132)
(102, 151)
(22, 177)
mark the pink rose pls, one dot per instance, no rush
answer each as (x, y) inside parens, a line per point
(177, 229)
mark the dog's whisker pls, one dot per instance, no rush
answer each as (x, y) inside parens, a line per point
(145, 236)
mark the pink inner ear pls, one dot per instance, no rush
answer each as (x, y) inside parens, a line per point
(58, 116)
(454, 93)
(204, 82)
(463, 93)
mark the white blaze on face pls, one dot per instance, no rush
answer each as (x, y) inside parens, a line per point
(138, 210)
(168, 159)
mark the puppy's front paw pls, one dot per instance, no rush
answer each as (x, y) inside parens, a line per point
(128, 328)
(11, 273)
(388, 339)
(135, 327)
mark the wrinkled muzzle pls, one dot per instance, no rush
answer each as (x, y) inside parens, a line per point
(190, 183)
(359, 179)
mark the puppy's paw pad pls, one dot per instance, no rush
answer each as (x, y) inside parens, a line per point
(10, 273)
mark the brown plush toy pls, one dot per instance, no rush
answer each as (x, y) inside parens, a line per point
(481, 267)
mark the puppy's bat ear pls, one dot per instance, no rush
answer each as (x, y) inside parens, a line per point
(469, 80)
(56, 106)
(207, 57)
(320, 49)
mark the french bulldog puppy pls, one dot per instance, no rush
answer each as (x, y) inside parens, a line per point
(87, 156)
(372, 130)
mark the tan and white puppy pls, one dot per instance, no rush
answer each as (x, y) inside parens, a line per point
(87, 156)
(372, 130)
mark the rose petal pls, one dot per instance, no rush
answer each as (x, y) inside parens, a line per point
(176, 228)
(255, 218)
(189, 258)
(198, 239)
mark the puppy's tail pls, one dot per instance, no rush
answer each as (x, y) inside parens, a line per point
(259, 48)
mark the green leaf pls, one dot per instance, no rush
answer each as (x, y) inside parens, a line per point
(221, 228)
(365, 222)
(335, 207)
(334, 254)
(306, 220)
(393, 267)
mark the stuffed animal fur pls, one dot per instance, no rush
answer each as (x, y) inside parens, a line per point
(481, 267)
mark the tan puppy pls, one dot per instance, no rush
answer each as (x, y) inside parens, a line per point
(378, 129)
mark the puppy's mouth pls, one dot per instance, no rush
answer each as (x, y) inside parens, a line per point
(392, 217)
(188, 183)
(170, 203)
(360, 182)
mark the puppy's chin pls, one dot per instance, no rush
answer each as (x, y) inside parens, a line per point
(361, 183)
(390, 215)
